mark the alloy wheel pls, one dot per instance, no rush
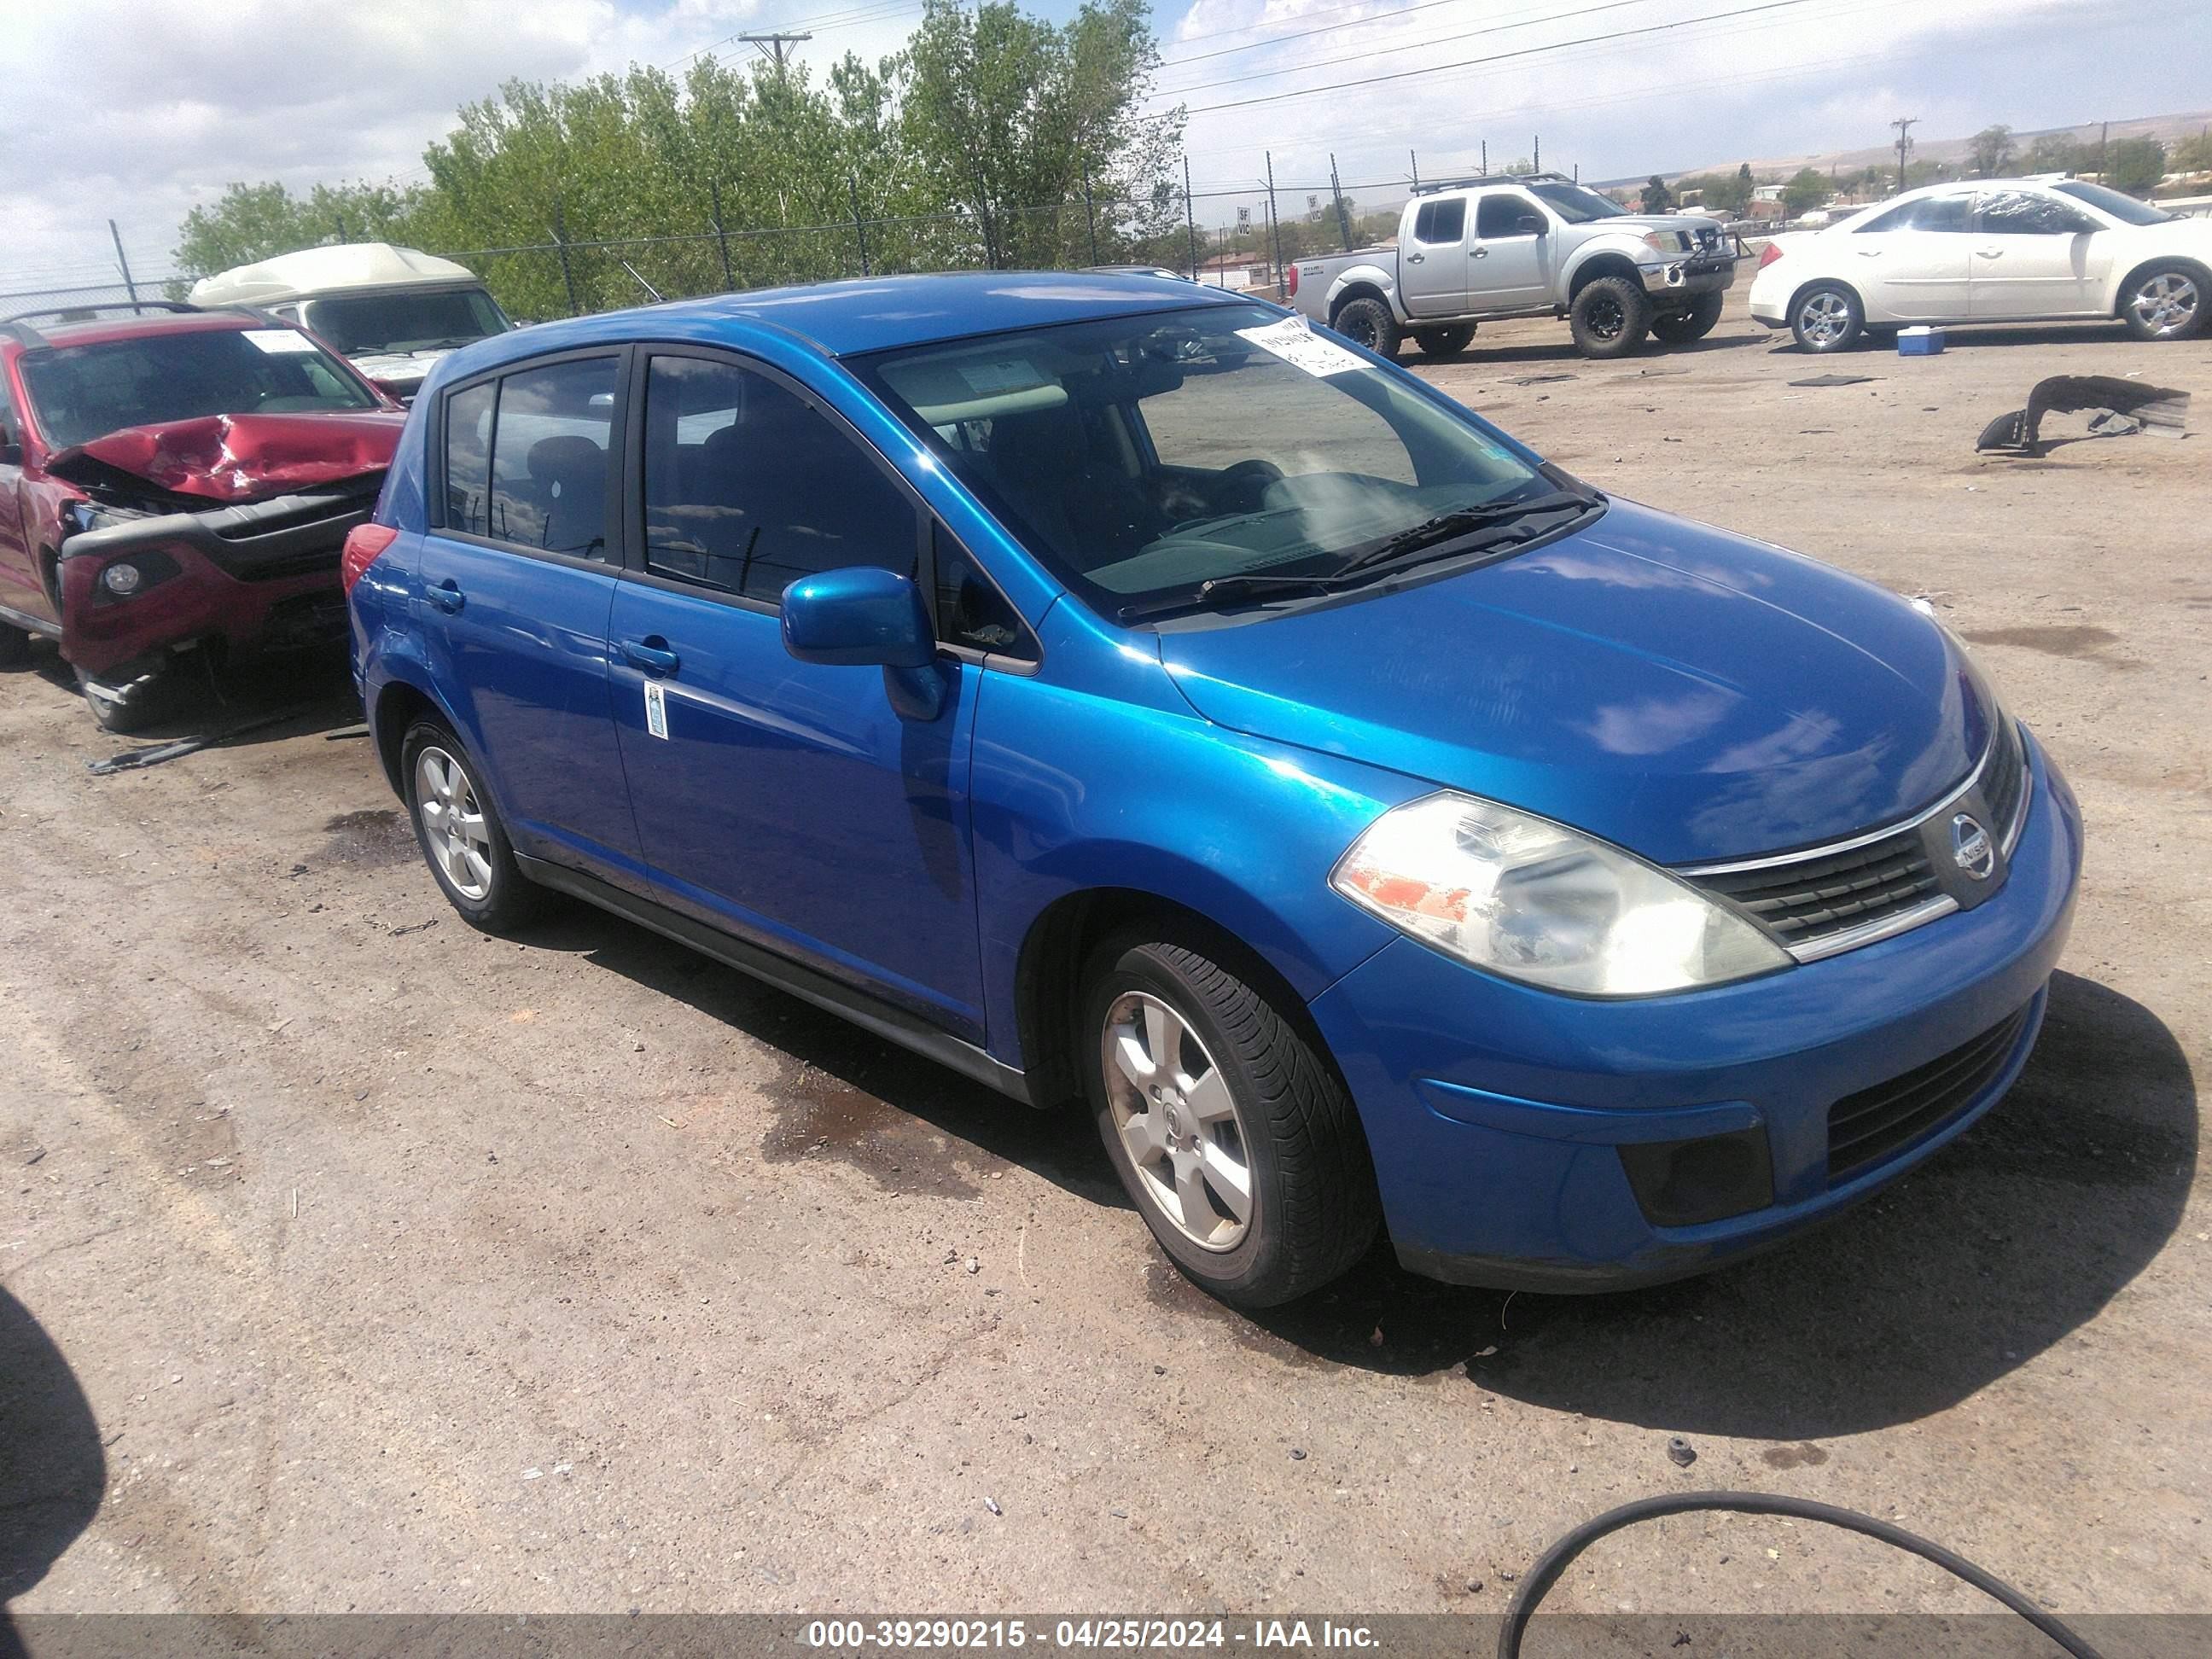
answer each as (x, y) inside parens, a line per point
(1607, 319)
(2166, 303)
(453, 827)
(1824, 319)
(1177, 1122)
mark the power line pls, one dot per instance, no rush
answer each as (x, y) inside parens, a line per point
(1403, 11)
(1495, 58)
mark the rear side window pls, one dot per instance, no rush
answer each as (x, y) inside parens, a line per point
(1441, 221)
(748, 487)
(548, 457)
(1501, 215)
(1933, 213)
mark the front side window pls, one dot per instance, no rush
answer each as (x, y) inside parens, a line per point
(748, 487)
(1441, 221)
(81, 392)
(1173, 460)
(364, 324)
(548, 457)
(1502, 216)
(2030, 213)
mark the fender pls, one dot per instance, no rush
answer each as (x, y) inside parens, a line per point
(1365, 276)
(1609, 247)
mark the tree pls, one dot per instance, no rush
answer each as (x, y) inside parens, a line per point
(2194, 155)
(1991, 148)
(2136, 165)
(1807, 189)
(1657, 198)
(2055, 152)
(249, 222)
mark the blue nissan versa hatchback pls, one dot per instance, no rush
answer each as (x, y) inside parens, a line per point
(1120, 693)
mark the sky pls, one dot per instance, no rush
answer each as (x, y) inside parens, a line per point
(140, 109)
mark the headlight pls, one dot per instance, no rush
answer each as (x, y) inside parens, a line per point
(1533, 900)
(1663, 241)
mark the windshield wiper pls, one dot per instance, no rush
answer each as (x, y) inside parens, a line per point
(1219, 590)
(1449, 526)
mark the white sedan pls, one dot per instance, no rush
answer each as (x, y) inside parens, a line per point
(2000, 250)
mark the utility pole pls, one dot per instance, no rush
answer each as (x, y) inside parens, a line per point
(123, 262)
(1486, 158)
(1416, 161)
(1343, 219)
(1536, 159)
(1189, 219)
(1274, 227)
(1904, 123)
(2103, 133)
(775, 43)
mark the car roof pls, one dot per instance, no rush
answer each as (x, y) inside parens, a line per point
(864, 314)
(106, 331)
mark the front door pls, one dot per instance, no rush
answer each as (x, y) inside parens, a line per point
(517, 581)
(1910, 264)
(20, 589)
(1508, 265)
(2034, 256)
(1432, 266)
(786, 800)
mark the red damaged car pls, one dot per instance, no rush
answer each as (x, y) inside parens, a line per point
(176, 481)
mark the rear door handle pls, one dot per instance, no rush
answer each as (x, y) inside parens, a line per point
(1990, 253)
(447, 596)
(654, 658)
(1477, 253)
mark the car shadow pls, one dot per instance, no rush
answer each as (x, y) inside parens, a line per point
(1995, 1250)
(1960, 336)
(263, 700)
(53, 1473)
(846, 1095)
(1563, 351)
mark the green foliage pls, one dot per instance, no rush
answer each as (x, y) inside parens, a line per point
(1807, 189)
(2055, 152)
(1991, 150)
(2194, 153)
(1657, 198)
(2134, 165)
(971, 147)
(1726, 192)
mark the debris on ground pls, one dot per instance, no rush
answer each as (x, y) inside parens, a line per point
(1297, 1454)
(1680, 1452)
(974, 1266)
(992, 1504)
(1538, 379)
(1836, 379)
(2123, 407)
(133, 760)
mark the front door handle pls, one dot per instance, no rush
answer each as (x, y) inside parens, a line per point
(1415, 258)
(1990, 253)
(447, 596)
(652, 654)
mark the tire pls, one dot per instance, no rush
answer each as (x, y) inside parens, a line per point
(1368, 323)
(2165, 301)
(1245, 1091)
(141, 695)
(1681, 327)
(1827, 317)
(1445, 342)
(15, 647)
(489, 890)
(1610, 317)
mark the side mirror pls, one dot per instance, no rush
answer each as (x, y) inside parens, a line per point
(863, 615)
(1529, 224)
(11, 446)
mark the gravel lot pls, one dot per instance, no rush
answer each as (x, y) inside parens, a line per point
(353, 1261)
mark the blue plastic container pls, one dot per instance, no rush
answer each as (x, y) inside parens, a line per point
(1922, 342)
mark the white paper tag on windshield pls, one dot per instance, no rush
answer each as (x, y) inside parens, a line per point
(280, 342)
(1294, 341)
(656, 710)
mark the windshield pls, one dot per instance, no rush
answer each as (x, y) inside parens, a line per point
(1574, 204)
(364, 324)
(2125, 208)
(81, 393)
(1144, 457)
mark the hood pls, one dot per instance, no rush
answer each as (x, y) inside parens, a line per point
(240, 458)
(1682, 692)
(1637, 223)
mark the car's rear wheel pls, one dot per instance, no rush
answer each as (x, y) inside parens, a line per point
(1827, 317)
(1694, 322)
(460, 835)
(1445, 341)
(2164, 302)
(15, 647)
(1610, 317)
(1233, 1135)
(1368, 323)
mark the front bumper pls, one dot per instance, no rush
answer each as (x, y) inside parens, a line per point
(1694, 273)
(1498, 1113)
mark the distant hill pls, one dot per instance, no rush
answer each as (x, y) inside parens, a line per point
(2166, 127)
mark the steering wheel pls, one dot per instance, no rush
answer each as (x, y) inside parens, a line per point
(1244, 486)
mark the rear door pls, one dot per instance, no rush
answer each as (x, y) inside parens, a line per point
(786, 801)
(2035, 255)
(517, 579)
(1910, 265)
(1509, 265)
(1432, 264)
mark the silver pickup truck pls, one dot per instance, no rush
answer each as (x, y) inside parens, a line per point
(1523, 245)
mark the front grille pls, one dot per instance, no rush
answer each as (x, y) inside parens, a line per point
(2001, 783)
(1867, 1126)
(1809, 899)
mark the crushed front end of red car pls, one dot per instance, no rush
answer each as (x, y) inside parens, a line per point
(225, 528)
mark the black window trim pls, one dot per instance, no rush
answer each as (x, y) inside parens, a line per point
(632, 565)
(618, 355)
(1521, 201)
(1435, 211)
(2079, 210)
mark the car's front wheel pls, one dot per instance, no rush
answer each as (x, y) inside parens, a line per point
(1827, 317)
(460, 835)
(2164, 302)
(1610, 317)
(1233, 1134)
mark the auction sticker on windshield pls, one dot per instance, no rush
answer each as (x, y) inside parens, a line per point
(280, 342)
(1294, 341)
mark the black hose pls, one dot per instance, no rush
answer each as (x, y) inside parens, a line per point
(1554, 1560)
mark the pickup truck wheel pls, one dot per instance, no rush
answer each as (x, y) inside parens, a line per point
(1237, 1142)
(1827, 317)
(1368, 323)
(1445, 342)
(1694, 322)
(1610, 317)
(460, 835)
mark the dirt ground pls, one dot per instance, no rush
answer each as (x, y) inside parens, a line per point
(353, 1261)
